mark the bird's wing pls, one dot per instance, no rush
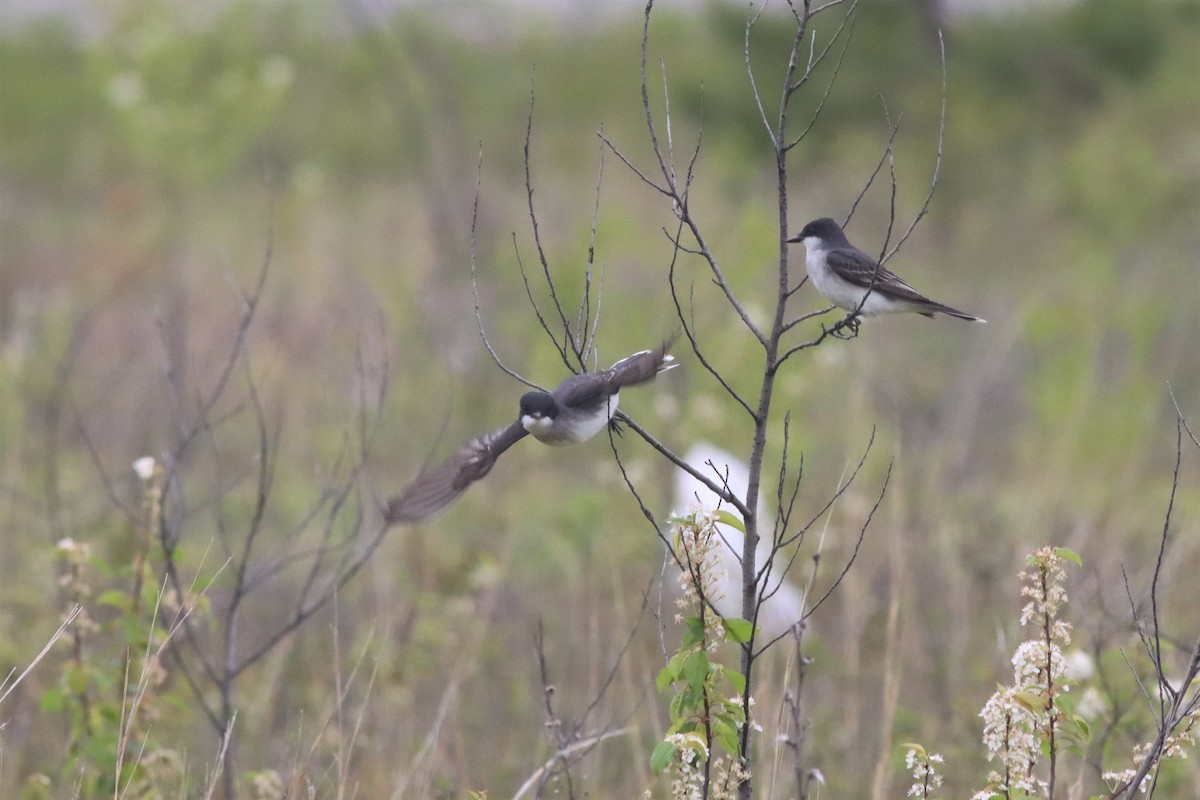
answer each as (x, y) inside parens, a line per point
(586, 391)
(593, 388)
(855, 266)
(439, 486)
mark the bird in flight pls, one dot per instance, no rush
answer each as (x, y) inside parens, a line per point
(578, 409)
(846, 275)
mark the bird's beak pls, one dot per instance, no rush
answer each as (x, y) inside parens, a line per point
(795, 239)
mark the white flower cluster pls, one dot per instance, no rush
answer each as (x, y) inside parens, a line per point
(1044, 586)
(1016, 717)
(1175, 746)
(1009, 727)
(688, 766)
(925, 776)
(698, 550)
(728, 775)
(1029, 665)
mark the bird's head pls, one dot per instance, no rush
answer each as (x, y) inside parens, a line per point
(537, 407)
(817, 231)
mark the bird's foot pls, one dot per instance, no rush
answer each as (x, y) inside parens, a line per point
(614, 425)
(846, 328)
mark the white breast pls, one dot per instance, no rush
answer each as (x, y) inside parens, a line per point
(592, 425)
(840, 292)
(584, 427)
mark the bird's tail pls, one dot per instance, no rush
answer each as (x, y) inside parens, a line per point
(643, 365)
(666, 360)
(952, 312)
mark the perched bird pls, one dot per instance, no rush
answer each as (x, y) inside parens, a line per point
(577, 410)
(845, 275)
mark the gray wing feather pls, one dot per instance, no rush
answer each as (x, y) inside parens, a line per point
(858, 268)
(593, 388)
(436, 488)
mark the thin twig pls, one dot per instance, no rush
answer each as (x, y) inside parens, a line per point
(475, 285)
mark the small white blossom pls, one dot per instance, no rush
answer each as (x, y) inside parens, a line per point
(925, 776)
(144, 467)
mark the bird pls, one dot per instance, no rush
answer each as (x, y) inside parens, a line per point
(575, 411)
(846, 275)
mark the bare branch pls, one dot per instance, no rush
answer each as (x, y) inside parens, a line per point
(849, 562)
(654, 146)
(937, 166)
(883, 159)
(571, 749)
(559, 346)
(815, 60)
(751, 21)
(843, 486)
(632, 167)
(475, 286)
(828, 89)
(857, 544)
(723, 494)
(646, 512)
(537, 238)
(820, 312)
(1176, 707)
(689, 331)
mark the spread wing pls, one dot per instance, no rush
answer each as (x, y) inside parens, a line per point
(592, 389)
(855, 266)
(437, 487)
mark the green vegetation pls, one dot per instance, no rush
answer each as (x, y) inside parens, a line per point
(147, 166)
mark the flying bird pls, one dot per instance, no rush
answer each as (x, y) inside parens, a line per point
(578, 409)
(845, 275)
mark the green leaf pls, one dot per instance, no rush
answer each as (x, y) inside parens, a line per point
(662, 755)
(1076, 733)
(737, 679)
(727, 518)
(695, 669)
(115, 598)
(691, 698)
(670, 673)
(52, 700)
(1085, 730)
(739, 630)
(735, 711)
(726, 736)
(676, 709)
(1069, 554)
(913, 746)
(694, 633)
(665, 678)
(1031, 699)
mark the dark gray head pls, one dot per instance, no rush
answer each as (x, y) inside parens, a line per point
(538, 404)
(824, 229)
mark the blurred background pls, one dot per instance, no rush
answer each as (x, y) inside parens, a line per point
(154, 155)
